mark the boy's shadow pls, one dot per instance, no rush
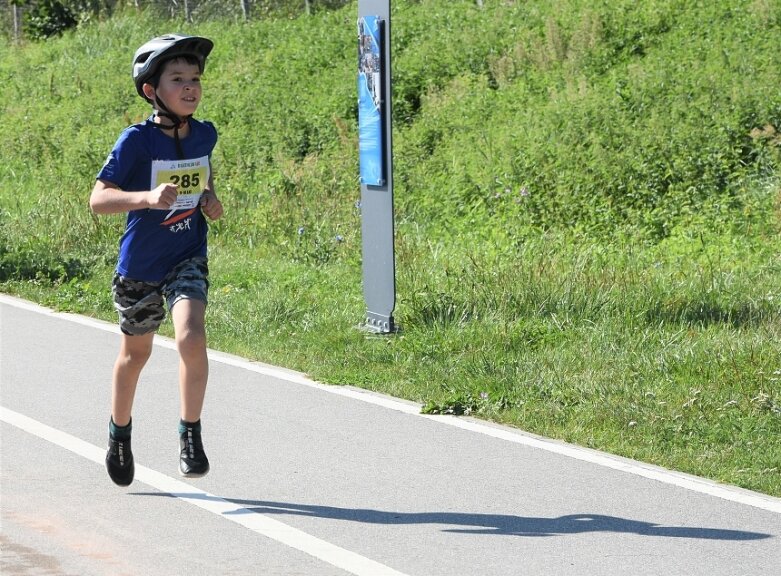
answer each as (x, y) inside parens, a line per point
(468, 523)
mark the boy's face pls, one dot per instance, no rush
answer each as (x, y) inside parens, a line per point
(179, 87)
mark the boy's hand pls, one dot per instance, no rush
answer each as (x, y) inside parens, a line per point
(162, 197)
(211, 205)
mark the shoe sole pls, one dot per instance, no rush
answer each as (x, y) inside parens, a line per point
(193, 474)
(123, 482)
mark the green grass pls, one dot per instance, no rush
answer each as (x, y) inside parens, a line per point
(586, 210)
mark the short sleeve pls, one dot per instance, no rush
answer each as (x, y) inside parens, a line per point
(123, 159)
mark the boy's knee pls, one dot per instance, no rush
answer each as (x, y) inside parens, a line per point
(191, 340)
(135, 356)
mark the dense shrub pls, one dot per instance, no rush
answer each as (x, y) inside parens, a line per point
(598, 117)
(48, 18)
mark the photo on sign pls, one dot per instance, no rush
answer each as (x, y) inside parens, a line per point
(370, 124)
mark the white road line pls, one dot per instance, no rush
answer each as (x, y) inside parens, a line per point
(258, 523)
(685, 481)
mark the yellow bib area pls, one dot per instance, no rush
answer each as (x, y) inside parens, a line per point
(191, 176)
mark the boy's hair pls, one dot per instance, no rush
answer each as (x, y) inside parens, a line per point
(188, 58)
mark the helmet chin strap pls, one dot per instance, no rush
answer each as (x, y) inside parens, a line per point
(178, 122)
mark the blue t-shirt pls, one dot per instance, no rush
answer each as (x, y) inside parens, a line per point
(143, 157)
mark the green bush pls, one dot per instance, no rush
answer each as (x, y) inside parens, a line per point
(48, 18)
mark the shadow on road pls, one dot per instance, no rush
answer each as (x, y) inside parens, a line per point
(469, 523)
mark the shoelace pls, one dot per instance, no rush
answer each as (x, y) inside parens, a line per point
(192, 443)
(119, 450)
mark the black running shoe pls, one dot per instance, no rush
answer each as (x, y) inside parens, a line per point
(193, 462)
(119, 461)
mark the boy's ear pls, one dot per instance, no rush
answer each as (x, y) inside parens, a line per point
(149, 90)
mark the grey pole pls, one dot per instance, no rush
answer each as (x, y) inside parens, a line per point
(377, 228)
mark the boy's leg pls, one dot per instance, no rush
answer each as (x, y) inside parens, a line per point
(140, 308)
(134, 351)
(186, 290)
(188, 317)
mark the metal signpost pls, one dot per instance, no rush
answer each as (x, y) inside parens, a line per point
(376, 159)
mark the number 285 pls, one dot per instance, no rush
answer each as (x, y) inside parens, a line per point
(186, 180)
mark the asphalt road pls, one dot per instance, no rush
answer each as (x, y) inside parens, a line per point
(309, 479)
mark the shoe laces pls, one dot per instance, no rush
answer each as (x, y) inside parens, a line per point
(192, 442)
(118, 449)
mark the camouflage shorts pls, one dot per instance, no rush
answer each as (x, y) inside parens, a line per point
(141, 304)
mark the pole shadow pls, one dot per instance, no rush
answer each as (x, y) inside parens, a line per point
(470, 523)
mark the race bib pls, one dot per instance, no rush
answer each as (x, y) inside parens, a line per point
(191, 176)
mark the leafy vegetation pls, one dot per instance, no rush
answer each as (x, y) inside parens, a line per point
(41, 19)
(586, 210)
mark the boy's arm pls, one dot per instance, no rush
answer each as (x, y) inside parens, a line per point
(108, 198)
(210, 203)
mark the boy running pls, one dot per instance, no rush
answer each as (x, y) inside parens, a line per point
(159, 173)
